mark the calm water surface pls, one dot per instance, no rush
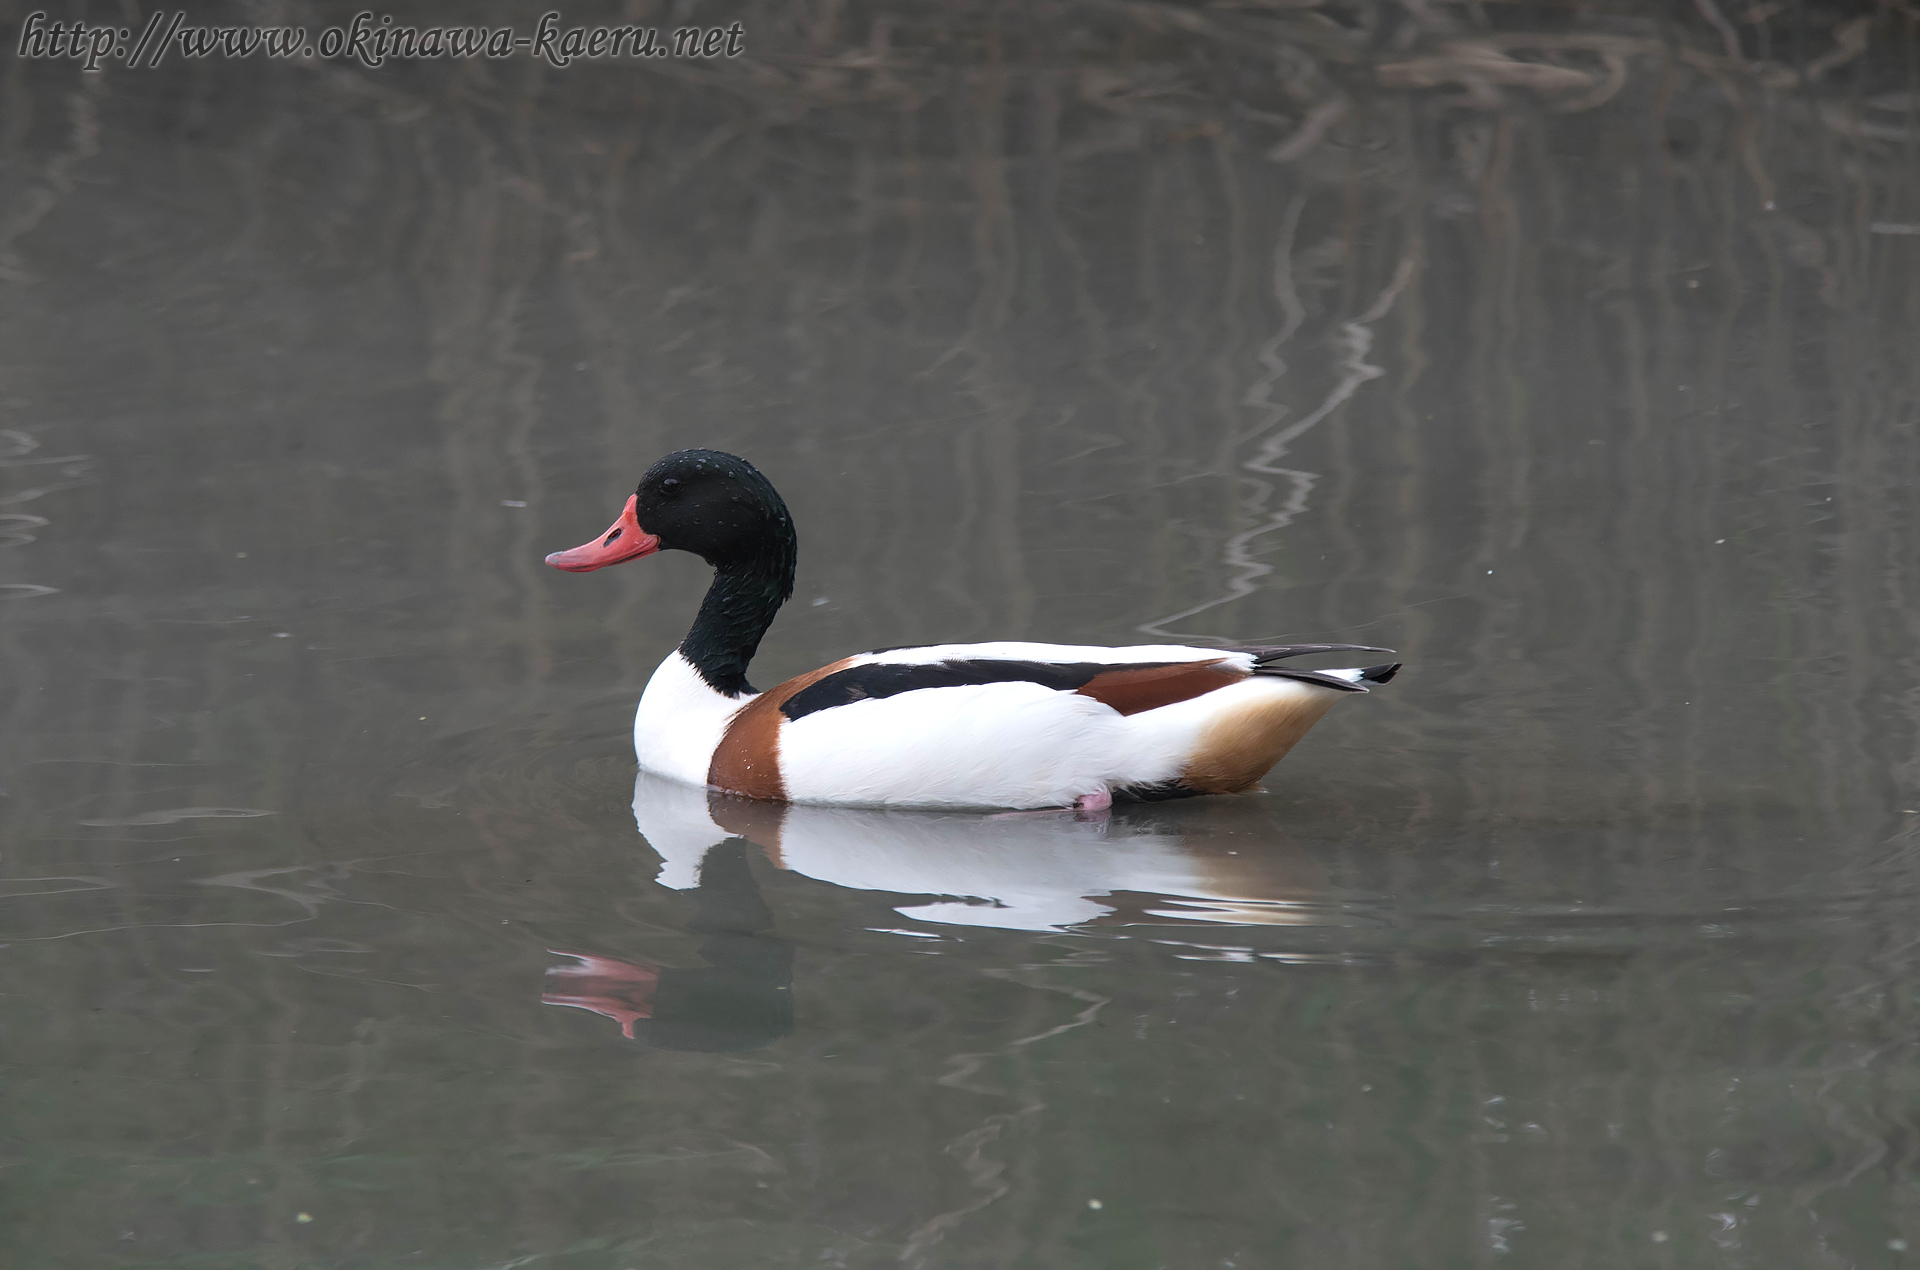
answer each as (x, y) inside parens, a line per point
(336, 932)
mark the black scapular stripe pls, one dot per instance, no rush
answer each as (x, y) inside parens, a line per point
(890, 679)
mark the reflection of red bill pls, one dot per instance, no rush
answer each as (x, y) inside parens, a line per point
(619, 990)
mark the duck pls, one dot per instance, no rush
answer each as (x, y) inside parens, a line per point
(1003, 724)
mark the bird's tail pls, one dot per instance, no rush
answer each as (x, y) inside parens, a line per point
(1266, 659)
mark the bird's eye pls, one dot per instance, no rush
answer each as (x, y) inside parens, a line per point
(670, 484)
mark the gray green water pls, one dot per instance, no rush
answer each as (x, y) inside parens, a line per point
(1589, 942)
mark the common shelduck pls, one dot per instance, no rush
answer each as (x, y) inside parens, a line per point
(1003, 724)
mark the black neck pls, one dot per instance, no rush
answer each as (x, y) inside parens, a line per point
(739, 607)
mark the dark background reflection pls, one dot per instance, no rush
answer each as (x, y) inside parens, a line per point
(1568, 349)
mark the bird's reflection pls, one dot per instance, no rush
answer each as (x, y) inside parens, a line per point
(1025, 871)
(1019, 871)
(742, 997)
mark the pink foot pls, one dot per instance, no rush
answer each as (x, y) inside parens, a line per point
(1093, 802)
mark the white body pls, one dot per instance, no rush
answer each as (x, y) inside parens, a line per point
(1019, 745)
(680, 722)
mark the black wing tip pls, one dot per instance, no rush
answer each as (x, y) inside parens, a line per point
(1320, 677)
(1276, 652)
(1374, 675)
